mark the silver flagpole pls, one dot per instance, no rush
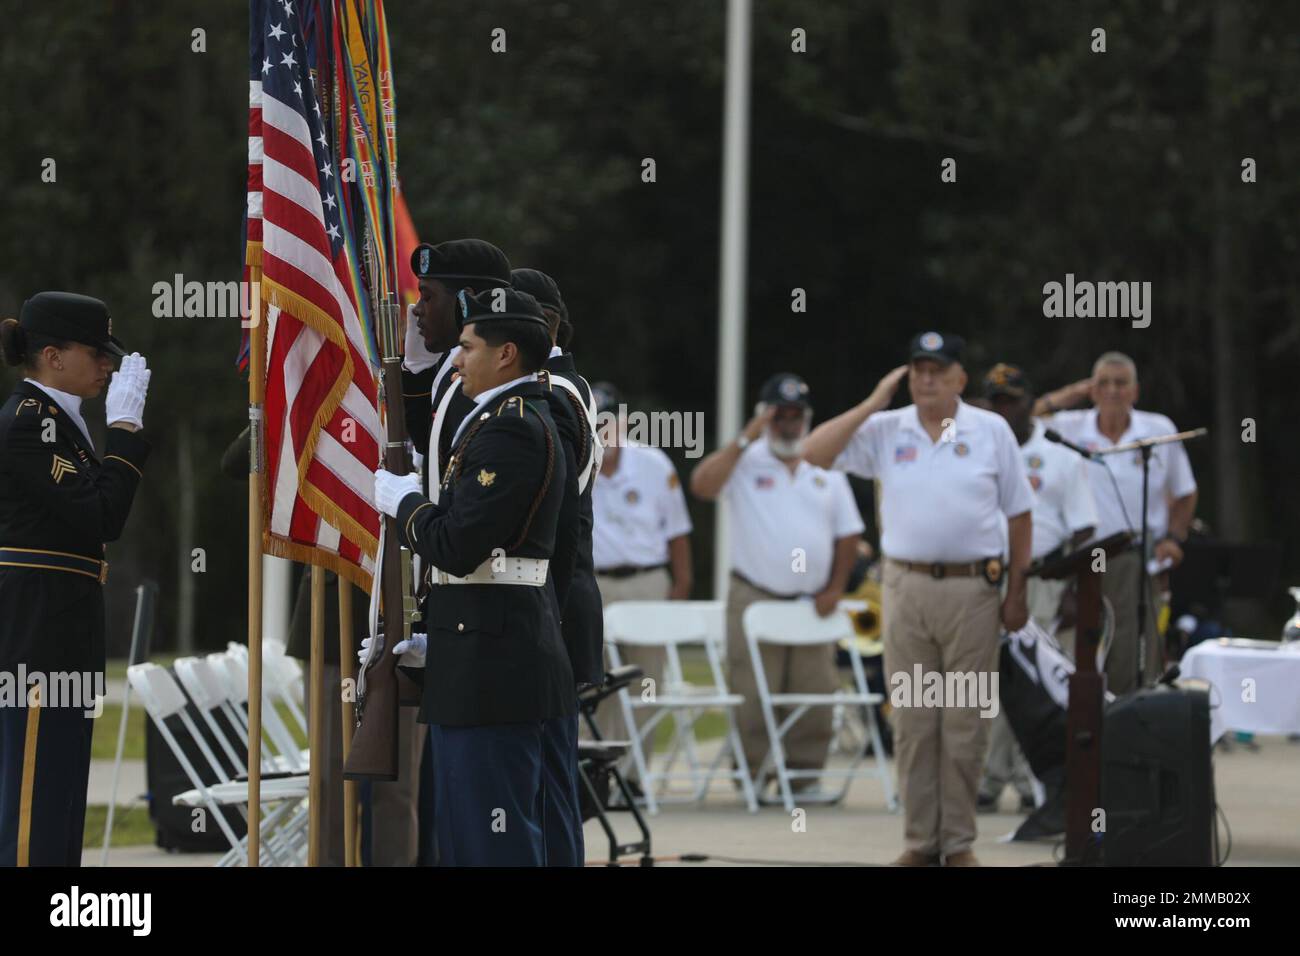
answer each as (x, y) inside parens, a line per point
(732, 276)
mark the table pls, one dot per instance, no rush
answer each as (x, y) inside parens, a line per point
(1271, 705)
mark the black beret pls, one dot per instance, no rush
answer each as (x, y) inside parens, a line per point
(785, 388)
(461, 263)
(940, 347)
(67, 315)
(541, 287)
(494, 305)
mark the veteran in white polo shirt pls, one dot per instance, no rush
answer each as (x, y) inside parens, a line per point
(641, 531)
(1117, 486)
(794, 534)
(948, 474)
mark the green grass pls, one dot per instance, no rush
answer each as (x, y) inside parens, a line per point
(695, 669)
(131, 826)
(104, 744)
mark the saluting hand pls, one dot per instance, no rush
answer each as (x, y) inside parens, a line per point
(416, 357)
(126, 392)
(884, 391)
(758, 424)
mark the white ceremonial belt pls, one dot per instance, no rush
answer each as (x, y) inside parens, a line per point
(530, 572)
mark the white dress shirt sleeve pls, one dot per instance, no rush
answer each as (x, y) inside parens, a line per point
(861, 455)
(1080, 506)
(1179, 480)
(676, 519)
(1015, 494)
(846, 520)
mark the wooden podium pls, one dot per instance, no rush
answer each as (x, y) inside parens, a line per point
(1083, 719)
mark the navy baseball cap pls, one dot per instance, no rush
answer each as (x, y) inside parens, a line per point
(939, 346)
(785, 388)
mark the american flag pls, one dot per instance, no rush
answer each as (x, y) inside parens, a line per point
(321, 417)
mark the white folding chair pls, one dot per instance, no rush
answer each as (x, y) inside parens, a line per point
(282, 678)
(205, 683)
(291, 755)
(670, 625)
(796, 624)
(163, 699)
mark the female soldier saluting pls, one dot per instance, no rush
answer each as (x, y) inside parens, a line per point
(60, 501)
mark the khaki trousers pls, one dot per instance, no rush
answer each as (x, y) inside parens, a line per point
(642, 586)
(1119, 585)
(394, 808)
(789, 670)
(944, 626)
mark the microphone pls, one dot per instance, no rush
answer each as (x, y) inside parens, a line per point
(1052, 434)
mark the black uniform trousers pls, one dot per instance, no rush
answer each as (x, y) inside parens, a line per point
(44, 772)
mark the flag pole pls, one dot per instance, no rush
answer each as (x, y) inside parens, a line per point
(732, 274)
(316, 718)
(256, 398)
(348, 672)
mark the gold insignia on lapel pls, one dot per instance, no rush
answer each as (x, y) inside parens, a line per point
(54, 409)
(27, 403)
(485, 477)
(60, 467)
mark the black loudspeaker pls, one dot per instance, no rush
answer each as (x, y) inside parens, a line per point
(1157, 782)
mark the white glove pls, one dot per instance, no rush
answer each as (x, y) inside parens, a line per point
(418, 358)
(126, 393)
(412, 652)
(390, 489)
(364, 652)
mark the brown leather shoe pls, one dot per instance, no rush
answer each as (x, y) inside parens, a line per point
(916, 858)
(964, 858)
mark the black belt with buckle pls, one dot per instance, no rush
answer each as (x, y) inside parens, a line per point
(627, 570)
(43, 560)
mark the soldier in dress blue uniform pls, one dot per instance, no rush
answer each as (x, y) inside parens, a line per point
(581, 612)
(498, 687)
(432, 332)
(61, 501)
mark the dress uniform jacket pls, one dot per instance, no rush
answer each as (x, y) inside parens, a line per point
(60, 503)
(495, 652)
(581, 611)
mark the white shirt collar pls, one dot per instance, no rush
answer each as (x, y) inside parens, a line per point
(555, 350)
(70, 403)
(913, 420)
(486, 397)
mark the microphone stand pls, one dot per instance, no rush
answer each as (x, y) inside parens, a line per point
(1144, 446)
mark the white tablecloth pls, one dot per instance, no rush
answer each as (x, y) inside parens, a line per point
(1270, 706)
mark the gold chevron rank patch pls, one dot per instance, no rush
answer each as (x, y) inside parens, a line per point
(485, 477)
(60, 467)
